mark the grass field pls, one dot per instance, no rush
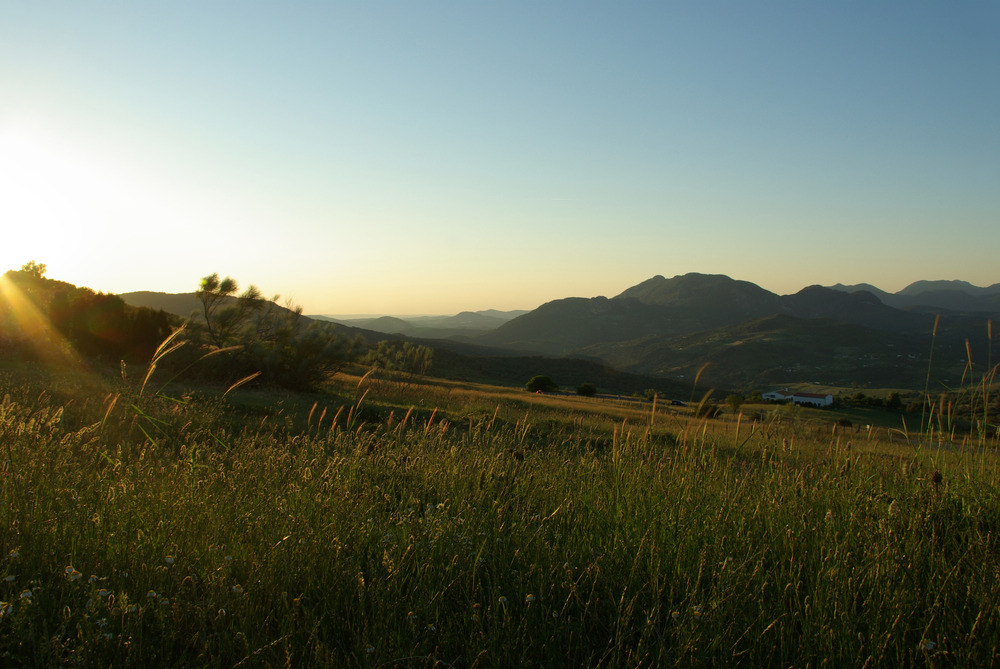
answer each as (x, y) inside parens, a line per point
(426, 523)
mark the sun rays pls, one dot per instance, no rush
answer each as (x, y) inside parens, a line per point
(24, 325)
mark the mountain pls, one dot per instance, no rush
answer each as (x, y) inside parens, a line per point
(432, 327)
(778, 349)
(715, 296)
(956, 296)
(732, 333)
(388, 325)
(179, 304)
(746, 335)
(920, 287)
(858, 308)
(683, 305)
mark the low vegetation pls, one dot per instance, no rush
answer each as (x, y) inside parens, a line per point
(431, 523)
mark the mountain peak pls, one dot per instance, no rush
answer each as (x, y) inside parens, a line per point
(696, 290)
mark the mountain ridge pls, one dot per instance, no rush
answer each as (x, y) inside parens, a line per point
(732, 332)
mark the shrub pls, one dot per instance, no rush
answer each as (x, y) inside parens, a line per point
(541, 384)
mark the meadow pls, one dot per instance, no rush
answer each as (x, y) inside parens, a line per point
(423, 523)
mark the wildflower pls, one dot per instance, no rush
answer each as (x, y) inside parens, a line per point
(370, 649)
(14, 554)
(529, 599)
(169, 559)
(109, 636)
(675, 615)
(555, 614)
(93, 579)
(103, 593)
(132, 608)
(5, 608)
(11, 578)
(696, 611)
(431, 628)
(151, 594)
(229, 558)
(102, 623)
(25, 595)
(503, 600)
(238, 589)
(927, 645)
(72, 573)
(411, 615)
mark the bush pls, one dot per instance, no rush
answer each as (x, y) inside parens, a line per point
(541, 384)
(586, 390)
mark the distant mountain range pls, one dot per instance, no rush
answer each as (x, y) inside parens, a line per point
(741, 335)
(936, 295)
(733, 333)
(431, 327)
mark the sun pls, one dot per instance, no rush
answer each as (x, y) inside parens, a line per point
(66, 204)
(49, 200)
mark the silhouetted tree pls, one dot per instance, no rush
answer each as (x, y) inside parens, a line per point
(893, 401)
(33, 268)
(258, 336)
(541, 383)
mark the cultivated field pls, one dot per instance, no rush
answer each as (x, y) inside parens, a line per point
(419, 523)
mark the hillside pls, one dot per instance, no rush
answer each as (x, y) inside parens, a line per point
(671, 328)
(431, 327)
(748, 336)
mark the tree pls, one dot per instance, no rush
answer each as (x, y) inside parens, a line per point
(586, 390)
(541, 384)
(397, 360)
(261, 337)
(735, 402)
(37, 270)
(224, 314)
(893, 401)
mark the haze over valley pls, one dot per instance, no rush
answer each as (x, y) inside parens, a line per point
(731, 333)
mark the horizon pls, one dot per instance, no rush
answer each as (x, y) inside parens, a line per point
(403, 316)
(447, 158)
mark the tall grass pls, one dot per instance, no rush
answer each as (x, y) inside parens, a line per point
(335, 531)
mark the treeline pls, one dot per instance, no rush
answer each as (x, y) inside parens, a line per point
(233, 337)
(37, 313)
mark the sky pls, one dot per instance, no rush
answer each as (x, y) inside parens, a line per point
(399, 157)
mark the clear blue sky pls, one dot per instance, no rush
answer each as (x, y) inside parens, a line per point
(432, 157)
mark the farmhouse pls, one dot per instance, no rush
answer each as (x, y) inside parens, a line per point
(813, 399)
(808, 399)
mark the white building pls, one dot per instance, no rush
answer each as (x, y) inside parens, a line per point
(807, 399)
(812, 399)
(776, 396)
